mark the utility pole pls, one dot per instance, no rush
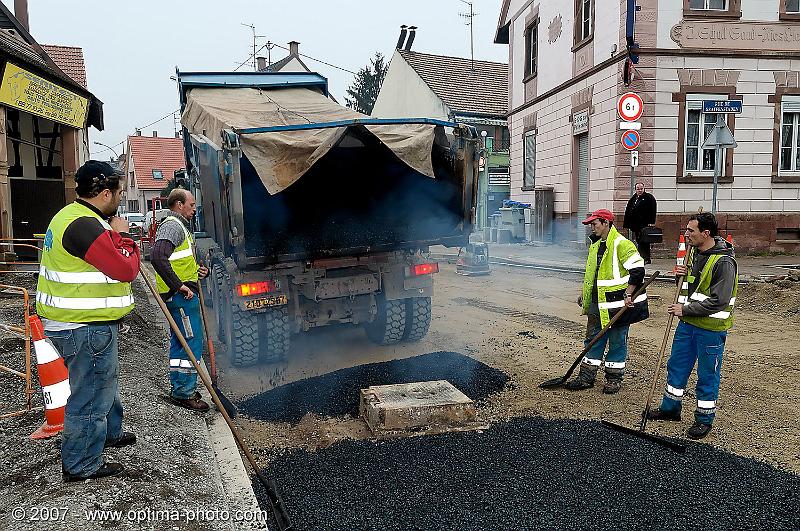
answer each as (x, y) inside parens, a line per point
(470, 16)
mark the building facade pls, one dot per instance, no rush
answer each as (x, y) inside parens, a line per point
(45, 110)
(150, 162)
(422, 85)
(566, 62)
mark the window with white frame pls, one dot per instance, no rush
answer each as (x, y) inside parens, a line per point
(529, 157)
(789, 160)
(698, 126)
(793, 7)
(531, 48)
(586, 18)
(715, 5)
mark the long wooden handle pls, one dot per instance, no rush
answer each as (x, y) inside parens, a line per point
(605, 329)
(664, 341)
(212, 355)
(268, 484)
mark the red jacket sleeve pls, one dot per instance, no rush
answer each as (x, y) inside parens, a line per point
(116, 255)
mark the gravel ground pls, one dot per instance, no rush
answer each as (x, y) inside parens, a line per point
(532, 473)
(171, 467)
(336, 394)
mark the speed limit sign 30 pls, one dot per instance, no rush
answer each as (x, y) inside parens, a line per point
(630, 107)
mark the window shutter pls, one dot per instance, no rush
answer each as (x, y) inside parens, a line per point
(790, 104)
(530, 159)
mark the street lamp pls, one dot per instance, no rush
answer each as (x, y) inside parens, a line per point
(108, 147)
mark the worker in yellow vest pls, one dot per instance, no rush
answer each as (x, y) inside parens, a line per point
(83, 290)
(614, 270)
(177, 274)
(705, 308)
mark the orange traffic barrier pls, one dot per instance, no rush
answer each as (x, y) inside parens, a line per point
(681, 260)
(54, 379)
(23, 332)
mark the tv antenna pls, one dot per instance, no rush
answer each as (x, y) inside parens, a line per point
(468, 17)
(253, 28)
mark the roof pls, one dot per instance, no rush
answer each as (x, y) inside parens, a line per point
(70, 60)
(155, 153)
(189, 80)
(482, 91)
(501, 34)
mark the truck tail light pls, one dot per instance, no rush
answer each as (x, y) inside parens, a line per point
(256, 288)
(422, 269)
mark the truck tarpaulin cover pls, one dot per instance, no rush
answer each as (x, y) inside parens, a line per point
(281, 158)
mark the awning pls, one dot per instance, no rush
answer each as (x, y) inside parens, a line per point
(282, 157)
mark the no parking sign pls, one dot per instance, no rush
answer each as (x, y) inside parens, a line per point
(630, 140)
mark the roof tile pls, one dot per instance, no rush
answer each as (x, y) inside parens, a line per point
(70, 60)
(155, 153)
(483, 90)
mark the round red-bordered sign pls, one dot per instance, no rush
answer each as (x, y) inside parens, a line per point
(630, 107)
(630, 140)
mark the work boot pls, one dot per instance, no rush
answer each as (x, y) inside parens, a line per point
(660, 414)
(108, 469)
(195, 404)
(612, 387)
(584, 380)
(126, 438)
(698, 430)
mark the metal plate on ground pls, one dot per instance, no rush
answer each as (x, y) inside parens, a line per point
(430, 407)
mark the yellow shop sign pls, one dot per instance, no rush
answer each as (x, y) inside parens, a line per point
(31, 93)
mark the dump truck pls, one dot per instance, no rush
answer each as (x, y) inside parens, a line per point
(311, 214)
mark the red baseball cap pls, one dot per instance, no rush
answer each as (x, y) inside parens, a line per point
(599, 214)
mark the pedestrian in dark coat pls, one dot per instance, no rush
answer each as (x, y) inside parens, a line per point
(640, 212)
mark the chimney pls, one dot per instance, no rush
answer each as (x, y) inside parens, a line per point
(155, 134)
(21, 13)
(262, 63)
(412, 30)
(138, 132)
(402, 38)
(294, 48)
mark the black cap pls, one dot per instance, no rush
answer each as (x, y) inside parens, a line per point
(95, 172)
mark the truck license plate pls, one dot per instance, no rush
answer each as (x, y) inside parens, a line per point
(265, 302)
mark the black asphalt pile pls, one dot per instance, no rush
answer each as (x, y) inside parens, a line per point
(532, 473)
(336, 393)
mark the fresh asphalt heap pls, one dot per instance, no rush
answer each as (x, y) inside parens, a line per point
(336, 393)
(532, 473)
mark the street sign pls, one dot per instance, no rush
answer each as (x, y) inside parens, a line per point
(580, 122)
(630, 107)
(630, 140)
(630, 125)
(720, 136)
(722, 106)
(634, 159)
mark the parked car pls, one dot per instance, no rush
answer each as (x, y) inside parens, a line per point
(136, 223)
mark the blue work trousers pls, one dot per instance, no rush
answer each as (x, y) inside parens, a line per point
(182, 375)
(93, 413)
(617, 340)
(704, 347)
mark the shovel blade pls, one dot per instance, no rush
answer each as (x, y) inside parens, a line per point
(554, 383)
(667, 443)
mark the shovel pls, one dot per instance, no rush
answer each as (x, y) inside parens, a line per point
(673, 445)
(276, 502)
(558, 382)
(212, 357)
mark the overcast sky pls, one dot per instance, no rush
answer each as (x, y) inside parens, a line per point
(132, 48)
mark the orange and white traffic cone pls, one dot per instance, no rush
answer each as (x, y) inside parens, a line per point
(729, 238)
(681, 260)
(54, 379)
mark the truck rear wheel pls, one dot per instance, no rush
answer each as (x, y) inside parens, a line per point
(240, 326)
(390, 323)
(418, 318)
(274, 334)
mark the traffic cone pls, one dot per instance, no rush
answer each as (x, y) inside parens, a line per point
(729, 238)
(681, 260)
(53, 378)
